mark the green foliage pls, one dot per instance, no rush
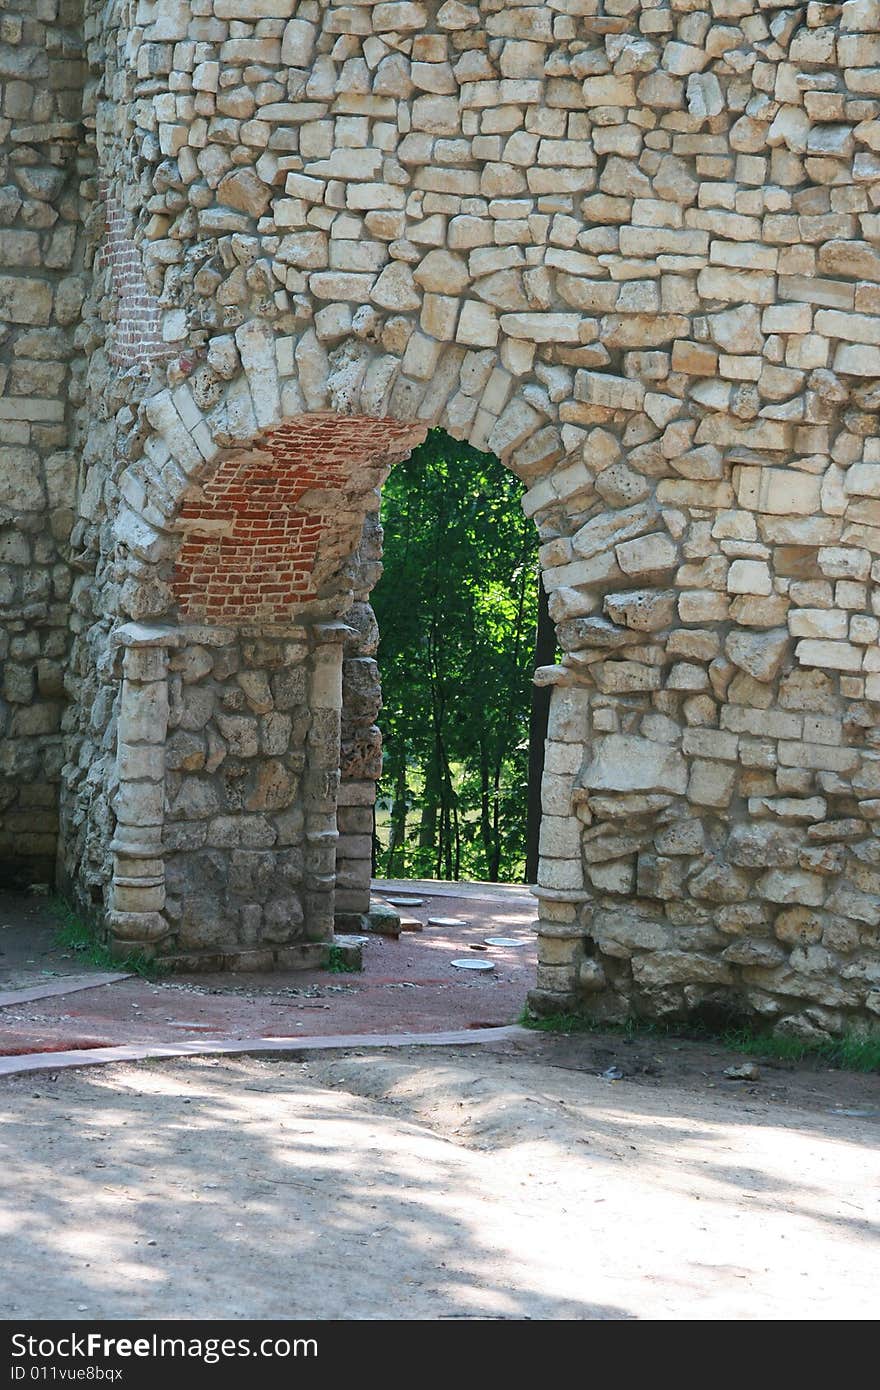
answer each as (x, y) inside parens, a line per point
(563, 1023)
(851, 1052)
(457, 609)
(339, 963)
(84, 938)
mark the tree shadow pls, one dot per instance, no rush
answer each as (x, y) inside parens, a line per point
(192, 1191)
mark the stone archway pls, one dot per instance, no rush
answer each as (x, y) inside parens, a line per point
(250, 788)
(641, 270)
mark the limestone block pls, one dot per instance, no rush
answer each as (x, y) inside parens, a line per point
(478, 325)
(759, 654)
(749, 577)
(625, 763)
(642, 610)
(818, 622)
(25, 300)
(143, 716)
(244, 190)
(21, 482)
(622, 677)
(651, 554)
(835, 656)
(618, 393)
(778, 491)
(711, 783)
(658, 969)
(256, 345)
(560, 837)
(779, 886)
(542, 327)
(617, 877)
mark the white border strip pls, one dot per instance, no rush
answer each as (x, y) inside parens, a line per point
(220, 1047)
(68, 984)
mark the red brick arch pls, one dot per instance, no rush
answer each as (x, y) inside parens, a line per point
(253, 535)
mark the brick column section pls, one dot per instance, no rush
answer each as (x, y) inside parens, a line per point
(136, 334)
(138, 890)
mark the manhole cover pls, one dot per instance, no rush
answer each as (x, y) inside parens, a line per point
(405, 902)
(481, 965)
(446, 922)
(503, 941)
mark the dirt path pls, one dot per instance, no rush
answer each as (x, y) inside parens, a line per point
(407, 985)
(509, 1182)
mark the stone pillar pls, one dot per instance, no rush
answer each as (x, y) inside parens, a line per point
(560, 891)
(361, 764)
(138, 890)
(321, 779)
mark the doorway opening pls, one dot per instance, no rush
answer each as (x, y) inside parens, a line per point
(457, 610)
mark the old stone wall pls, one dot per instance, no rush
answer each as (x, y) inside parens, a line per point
(44, 191)
(633, 249)
(247, 743)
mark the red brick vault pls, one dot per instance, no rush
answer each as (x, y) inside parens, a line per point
(269, 529)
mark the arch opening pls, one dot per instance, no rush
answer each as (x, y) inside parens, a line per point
(456, 609)
(258, 700)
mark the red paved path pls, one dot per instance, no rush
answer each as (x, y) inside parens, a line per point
(407, 985)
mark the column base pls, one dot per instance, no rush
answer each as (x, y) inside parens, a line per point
(304, 955)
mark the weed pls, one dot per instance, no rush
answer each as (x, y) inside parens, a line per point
(851, 1052)
(84, 939)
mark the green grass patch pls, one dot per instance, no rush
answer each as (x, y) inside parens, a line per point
(83, 937)
(851, 1052)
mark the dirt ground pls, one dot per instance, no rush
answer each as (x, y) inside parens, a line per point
(516, 1180)
(407, 985)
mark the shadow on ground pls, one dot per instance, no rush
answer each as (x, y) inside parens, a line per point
(499, 1184)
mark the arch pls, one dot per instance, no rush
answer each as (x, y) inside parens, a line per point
(631, 268)
(267, 565)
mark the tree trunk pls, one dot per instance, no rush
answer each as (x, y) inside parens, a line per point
(397, 832)
(495, 856)
(486, 810)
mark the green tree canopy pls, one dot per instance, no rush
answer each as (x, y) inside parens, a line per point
(456, 608)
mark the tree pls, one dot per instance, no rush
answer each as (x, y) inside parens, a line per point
(457, 609)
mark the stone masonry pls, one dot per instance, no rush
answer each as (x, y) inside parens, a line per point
(251, 254)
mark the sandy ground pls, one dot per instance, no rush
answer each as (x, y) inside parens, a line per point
(511, 1181)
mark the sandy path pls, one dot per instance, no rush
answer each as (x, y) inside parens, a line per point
(512, 1183)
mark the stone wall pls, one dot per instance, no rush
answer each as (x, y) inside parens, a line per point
(633, 249)
(43, 192)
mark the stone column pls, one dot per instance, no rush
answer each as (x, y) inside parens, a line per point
(321, 779)
(138, 890)
(360, 766)
(562, 897)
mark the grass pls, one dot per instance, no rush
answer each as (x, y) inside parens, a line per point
(84, 939)
(851, 1052)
